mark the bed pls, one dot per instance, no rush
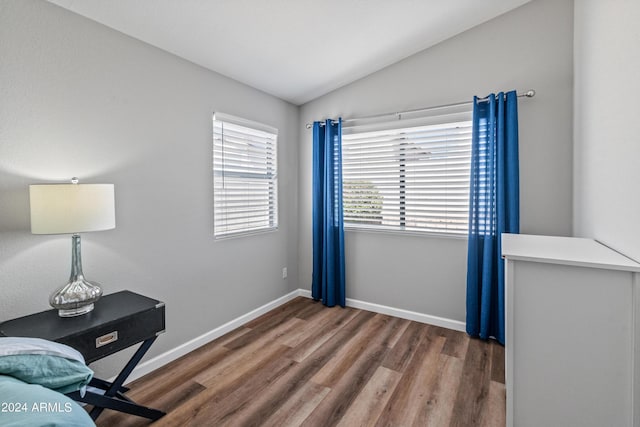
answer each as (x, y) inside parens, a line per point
(35, 374)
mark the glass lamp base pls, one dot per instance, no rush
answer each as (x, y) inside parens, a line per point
(72, 312)
(75, 298)
(78, 295)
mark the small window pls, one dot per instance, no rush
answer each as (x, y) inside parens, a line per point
(408, 175)
(245, 178)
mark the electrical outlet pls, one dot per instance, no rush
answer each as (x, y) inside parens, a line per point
(284, 272)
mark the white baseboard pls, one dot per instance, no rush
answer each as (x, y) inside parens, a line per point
(173, 354)
(456, 325)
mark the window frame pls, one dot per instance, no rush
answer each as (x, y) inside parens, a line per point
(240, 173)
(461, 115)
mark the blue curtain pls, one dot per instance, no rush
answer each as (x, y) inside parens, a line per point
(328, 282)
(494, 209)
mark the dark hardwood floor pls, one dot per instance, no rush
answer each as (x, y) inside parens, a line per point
(304, 364)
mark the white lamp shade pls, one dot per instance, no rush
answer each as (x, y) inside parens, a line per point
(71, 208)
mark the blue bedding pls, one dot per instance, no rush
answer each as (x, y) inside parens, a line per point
(50, 364)
(27, 405)
(57, 373)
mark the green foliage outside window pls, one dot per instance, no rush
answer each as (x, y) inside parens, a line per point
(362, 202)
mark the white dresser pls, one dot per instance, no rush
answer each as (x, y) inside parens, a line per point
(572, 333)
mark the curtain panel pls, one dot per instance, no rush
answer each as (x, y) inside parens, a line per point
(328, 281)
(494, 202)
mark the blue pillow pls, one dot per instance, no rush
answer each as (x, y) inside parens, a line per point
(27, 405)
(37, 361)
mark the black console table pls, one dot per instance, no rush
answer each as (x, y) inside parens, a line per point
(118, 321)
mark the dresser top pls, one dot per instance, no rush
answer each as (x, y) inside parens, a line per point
(564, 250)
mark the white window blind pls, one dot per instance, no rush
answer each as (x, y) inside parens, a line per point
(245, 179)
(408, 175)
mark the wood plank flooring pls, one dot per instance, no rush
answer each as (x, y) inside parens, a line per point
(304, 364)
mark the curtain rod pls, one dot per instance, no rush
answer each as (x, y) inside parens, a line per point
(528, 94)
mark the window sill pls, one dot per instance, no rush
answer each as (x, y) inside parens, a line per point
(244, 234)
(406, 233)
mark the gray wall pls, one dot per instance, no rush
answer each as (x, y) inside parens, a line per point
(607, 146)
(79, 99)
(528, 48)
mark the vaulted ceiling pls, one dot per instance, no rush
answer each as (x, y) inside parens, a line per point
(296, 50)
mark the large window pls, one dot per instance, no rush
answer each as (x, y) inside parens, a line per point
(408, 175)
(245, 179)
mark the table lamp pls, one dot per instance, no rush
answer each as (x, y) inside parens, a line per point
(72, 209)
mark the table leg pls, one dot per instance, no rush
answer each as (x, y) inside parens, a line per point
(113, 397)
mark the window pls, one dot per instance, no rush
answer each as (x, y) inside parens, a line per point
(409, 175)
(245, 179)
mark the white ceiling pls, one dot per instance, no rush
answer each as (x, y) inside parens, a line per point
(296, 50)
